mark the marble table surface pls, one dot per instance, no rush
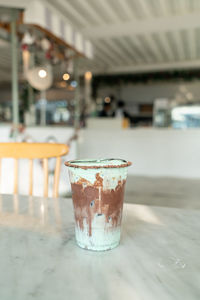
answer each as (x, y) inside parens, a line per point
(158, 258)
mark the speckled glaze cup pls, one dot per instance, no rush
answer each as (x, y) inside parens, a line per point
(98, 195)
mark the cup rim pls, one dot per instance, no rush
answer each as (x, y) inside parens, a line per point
(74, 163)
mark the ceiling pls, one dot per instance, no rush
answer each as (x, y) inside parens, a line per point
(130, 36)
(137, 35)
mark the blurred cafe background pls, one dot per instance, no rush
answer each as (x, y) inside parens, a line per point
(115, 78)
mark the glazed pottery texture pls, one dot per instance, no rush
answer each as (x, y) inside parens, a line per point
(98, 194)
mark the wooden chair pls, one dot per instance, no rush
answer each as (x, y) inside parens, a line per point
(35, 151)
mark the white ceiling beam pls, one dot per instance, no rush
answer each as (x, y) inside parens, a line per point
(192, 43)
(102, 50)
(167, 47)
(196, 4)
(90, 10)
(160, 47)
(195, 64)
(102, 56)
(163, 7)
(97, 62)
(127, 9)
(67, 6)
(145, 8)
(101, 60)
(150, 25)
(179, 44)
(141, 49)
(14, 3)
(139, 56)
(182, 6)
(116, 51)
(147, 50)
(108, 9)
(174, 8)
(126, 49)
(110, 50)
(152, 45)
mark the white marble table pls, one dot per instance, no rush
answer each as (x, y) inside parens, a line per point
(158, 258)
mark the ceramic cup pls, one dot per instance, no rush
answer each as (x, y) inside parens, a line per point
(98, 195)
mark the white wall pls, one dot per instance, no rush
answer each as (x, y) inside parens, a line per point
(153, 152)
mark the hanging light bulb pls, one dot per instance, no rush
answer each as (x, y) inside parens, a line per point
(42, 73)
(66, 76)
(107, 100)
(88, 75)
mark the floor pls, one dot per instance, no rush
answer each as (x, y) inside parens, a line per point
(171, 192)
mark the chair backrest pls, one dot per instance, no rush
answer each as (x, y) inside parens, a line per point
(33, 151)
